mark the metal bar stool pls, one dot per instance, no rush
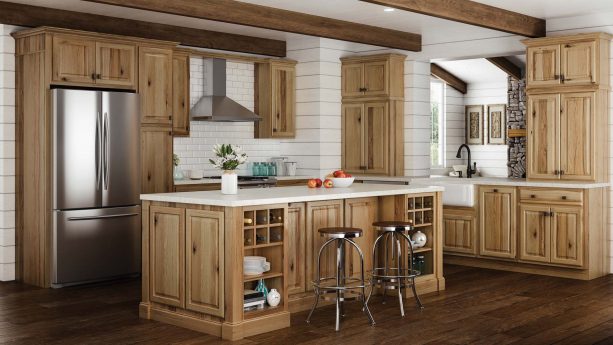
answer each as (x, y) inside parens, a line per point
(397, 277)
(341, 286)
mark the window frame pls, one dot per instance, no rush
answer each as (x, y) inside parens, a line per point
(442, 125)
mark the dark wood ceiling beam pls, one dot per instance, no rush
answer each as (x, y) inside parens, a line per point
(473, 13)
(506, 66)
(33, 16)
(241, 13)
(446, 76)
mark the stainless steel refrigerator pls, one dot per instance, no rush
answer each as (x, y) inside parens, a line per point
(96, 186)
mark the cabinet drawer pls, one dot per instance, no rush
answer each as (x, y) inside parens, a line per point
(551, 195)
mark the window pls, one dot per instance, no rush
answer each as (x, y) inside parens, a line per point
(437, 136)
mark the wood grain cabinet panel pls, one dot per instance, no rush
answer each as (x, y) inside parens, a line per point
(543, 65)
(180, 94)
(276, 99)
(497, 233)
(155, 85)
(578, 62)
(567, 235)
(376, 78)
(73, 59)
(296, 242)
(321, 214)
(360, 213)
(167, 255)
(576, 128)
(352, 134)
(542, 159)
(115, 64)
(534, 233)
(156, 160)
(459, 231)
(376, 136)
(204, 288)
(352, 79)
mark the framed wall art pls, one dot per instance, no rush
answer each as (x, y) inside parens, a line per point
(474, 124)
(497, 124)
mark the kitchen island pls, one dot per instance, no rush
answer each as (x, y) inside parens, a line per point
(193, 244)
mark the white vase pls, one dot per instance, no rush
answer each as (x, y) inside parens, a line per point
(420, 239)
(229, 182)
(273, 298)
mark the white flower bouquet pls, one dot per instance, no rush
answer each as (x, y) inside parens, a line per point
(228, 157)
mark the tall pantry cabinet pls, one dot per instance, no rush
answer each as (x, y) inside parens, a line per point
(372, 89)
(47, 57)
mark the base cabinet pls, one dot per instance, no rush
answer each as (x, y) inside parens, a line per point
(297, 245)
(497, 231)
(459, 230)
(567, 235)
(534, 233)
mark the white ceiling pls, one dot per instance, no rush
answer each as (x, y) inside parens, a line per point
(433, 30)
(474, 71)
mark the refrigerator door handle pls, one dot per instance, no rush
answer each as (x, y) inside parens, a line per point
(104, 217)
(106, 151)
(98, 150)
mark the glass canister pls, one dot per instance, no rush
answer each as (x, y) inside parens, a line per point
(272, 169)
(255, 169)
(263, 169)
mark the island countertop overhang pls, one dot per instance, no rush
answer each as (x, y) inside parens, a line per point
(276, 195)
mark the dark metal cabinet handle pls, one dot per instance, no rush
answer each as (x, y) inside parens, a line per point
(533, 196)
(495, 190)
(98, 76)
(274, 129)
(194, 248)
(561, 172)
(556, 172)
(93, 76)
(106, 216)
(564, 197)
(556, 76)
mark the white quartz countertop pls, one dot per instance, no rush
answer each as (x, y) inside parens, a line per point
(208, 180)
(278, 195)
(501, 181)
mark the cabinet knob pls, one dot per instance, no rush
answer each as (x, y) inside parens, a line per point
(556, 172)
(278, 116)
(567, 46)
(564, 197)
(532, 196)
(121, 71)
(556, 76)
(194, 249)
(98, 76)
(274, 129)
(561, 172)
(148, 176)
(359, 119)
(93, 76)
(495, 190)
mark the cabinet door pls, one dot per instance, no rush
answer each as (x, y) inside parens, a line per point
(497, 235)
(576, 136)
(376, 78)
(167, 255)
(534, 233)
(321, 214)
(542, 159)
(155, 85)
(567, 235)
(115, 64)
(361, 213)
(283, 101)
(543, 66)
(73, 59)
(180, 94)
(578, 63)
(296, 242)
(352, 79)
(204, 265)
(156, 160)
(352, 134)
(376, 137)
(459, 231)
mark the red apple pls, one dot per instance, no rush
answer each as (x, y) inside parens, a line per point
(328, 183)
(348, 175)
(338, 173)
(319, 183)
(312, 183)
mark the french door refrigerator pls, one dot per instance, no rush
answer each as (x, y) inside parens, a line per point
(96, 186)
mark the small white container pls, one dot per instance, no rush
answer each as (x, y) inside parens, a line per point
(229, 182)
(342, 182)
(290, 168)
(273, 298)
(195, 174)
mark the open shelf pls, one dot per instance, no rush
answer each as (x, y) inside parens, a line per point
(421, 250)
(274, 244)
(262, 276)
(267, 310)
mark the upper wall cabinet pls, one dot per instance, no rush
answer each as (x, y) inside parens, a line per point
(155, 79)
(275, 99)
(180, 93)
(87, 61)
(568, 61)
(373, 76)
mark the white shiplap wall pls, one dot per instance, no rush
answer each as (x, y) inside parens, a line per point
(7, 153)
(196, 150)
(454, 125)
(417, 118)
(491, 159)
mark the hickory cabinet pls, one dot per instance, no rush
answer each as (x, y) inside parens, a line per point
(84, 60)
(276, 99)
(459, 230)
(296, 242)
(562, 135)
(186, 252)
(155, 81)
(372, 76)
(497, 232)
(321, 214)
(568, 61)
(180, 93)
(156, 160)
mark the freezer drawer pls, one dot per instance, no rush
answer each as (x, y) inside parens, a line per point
(95, 244)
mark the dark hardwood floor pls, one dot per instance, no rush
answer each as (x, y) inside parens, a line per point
(479, 307)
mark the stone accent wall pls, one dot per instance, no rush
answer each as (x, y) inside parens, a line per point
(516, 119)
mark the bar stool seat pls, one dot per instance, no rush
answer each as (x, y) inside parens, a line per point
(341, 286)
(398, 277)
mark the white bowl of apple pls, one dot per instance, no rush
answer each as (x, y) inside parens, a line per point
(340, 179)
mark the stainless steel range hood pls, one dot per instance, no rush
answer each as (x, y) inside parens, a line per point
(215, 105)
